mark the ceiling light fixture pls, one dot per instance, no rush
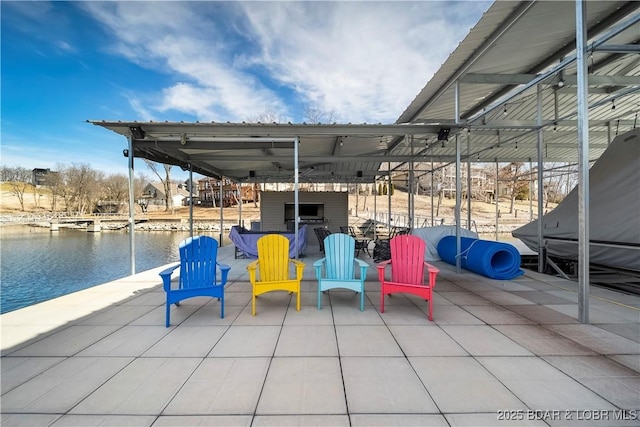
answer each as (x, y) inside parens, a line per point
(137, 132)
(443, 134)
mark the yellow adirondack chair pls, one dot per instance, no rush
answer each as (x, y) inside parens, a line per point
(270, 272)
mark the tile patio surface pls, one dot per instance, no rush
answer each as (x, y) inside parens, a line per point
(497, 353)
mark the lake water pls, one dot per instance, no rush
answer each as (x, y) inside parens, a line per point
(37, 265)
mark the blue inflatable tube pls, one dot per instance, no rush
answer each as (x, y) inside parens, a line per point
(496, 260)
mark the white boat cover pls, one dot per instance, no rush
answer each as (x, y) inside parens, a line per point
(433, 235)
(614, 211)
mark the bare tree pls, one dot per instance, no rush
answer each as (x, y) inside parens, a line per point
(166, 181)
(511, 175)
(81, 190)
(37, 193)
(115, 191)
(267, 117)
(19, 179)
(5, 173)
(313, 114)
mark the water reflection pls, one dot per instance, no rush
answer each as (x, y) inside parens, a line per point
(37, 265)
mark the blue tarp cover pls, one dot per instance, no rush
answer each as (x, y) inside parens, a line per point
(247, 241)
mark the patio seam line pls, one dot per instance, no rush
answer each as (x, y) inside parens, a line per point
(273, 355)
(426, 389)
(585, 385)
(344, 385)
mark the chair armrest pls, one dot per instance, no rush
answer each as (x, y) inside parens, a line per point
(381, 267)
(166, 276)
(318, 266)
(431, 268)
(433, 273)
(383, 264)
(319, 262)
(224, 272)
(361, 263)
(299, 268)
(363, 268)
(251, 268)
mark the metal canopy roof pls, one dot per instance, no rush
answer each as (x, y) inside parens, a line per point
(265, 152)
(516, 48)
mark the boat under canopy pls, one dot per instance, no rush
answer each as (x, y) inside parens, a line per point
(614, 206)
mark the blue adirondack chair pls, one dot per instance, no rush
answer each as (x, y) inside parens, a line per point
(198, 273)
(339, 265)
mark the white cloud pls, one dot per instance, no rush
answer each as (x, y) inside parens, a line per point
(364, 60)
(175, 38)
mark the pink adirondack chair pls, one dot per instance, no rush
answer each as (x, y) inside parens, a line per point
(407, 270)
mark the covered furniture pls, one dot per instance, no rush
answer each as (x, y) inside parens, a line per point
(246, 241)
(199, 270)
(408, 269)
(270, 272)
(338, 267)
(433, 235)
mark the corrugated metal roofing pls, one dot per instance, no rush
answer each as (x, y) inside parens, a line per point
(515, 43)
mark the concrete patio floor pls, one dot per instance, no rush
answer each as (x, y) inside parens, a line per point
(496, 353)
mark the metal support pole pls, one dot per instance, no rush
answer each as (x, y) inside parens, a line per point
(457, 211)
(132, 208)
(221, 209)
(432, 218)
(497, 192)
(191, 199)
(469, 180)
(530, 190)
(458, 186)
(389, 197)
(410, 188)
(583, 162)
(432, 212)
(239, 186)
(540, 137)
(375, 208)
(296, 143)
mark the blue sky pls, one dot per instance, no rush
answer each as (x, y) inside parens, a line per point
(64, 63)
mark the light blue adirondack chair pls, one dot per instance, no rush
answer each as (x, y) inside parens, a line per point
(198, 273)
(339, 265)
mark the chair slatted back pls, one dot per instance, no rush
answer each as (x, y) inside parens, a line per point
(198, 262)
(273, 256)
(339, 253)
(407, 259)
